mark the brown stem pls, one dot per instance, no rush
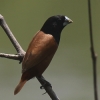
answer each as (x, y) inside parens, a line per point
(93, 54)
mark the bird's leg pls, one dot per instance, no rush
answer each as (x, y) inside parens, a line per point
(45, 82)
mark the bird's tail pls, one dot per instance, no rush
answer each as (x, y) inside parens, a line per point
(19, 86)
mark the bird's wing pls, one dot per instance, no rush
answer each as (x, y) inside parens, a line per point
(40, 47)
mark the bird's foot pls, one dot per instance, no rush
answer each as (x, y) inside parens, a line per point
(46, 83)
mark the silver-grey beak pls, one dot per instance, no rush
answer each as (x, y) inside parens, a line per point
(68, 19)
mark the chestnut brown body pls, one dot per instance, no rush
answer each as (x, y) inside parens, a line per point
(39, 55)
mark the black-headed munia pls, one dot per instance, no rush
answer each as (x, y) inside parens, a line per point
(42, 49)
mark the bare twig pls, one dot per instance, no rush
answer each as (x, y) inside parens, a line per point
(93, 54)
(20, 54)
(11, 56)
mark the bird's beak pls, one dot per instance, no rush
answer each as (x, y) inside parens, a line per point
(68, 19)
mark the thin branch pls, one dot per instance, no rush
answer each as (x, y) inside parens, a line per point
(21, 54)
(93, 54)
(11, 56)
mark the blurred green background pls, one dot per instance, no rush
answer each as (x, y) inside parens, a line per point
(70, 71)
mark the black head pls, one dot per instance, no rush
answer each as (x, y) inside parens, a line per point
(54, 25)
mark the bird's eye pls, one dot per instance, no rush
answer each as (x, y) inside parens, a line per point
(54, 24)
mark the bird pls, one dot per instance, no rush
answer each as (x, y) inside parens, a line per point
(42, 49)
